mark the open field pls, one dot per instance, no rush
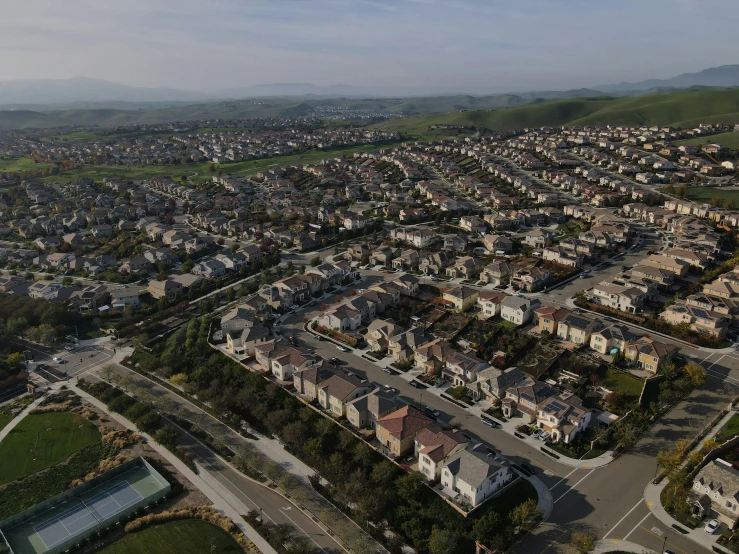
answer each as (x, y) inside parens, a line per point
(21, 164)
(238, 169)
(53, 437)
(678, 108)
(187, 536)
(704, 194)
(728, 140)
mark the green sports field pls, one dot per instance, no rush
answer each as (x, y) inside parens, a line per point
(40, 441)
(186, 536)
(727, 140)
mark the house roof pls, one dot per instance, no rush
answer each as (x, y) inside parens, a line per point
(437, 443)
(341, 386)
(405, 422)
(472, 466)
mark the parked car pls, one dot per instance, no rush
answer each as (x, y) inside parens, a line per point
(537, 433)
(69, 347)
(488, 422)
(388, 388)
(712, 526)
(545, 435)
(433, 411)
(335, 360)
(58, 360)
(343, 348)
(416, 384)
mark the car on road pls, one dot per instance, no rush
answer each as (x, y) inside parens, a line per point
(294, 306)
(417, 385)
(388, 388)
(342, 348)
(335, 360)
(433, 411)
(712, 526)
(275, 316)
(58, 360)
(293, 340)
(69, 348)
(363, 267)
(488, 422)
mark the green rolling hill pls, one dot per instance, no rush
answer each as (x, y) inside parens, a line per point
(680, 109)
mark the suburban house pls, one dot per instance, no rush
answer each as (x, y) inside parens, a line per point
(462, 367)
(648, 353)
(498, 244)
(700, 320)
(547, 318)
(244, 340)
(470, 476)
(432, 356)
(619, 297)
(524, 397)
(466, 267)
(306, 381)
(715, 491)
(168, 289)
(402, 346)
(461, 298)
(563, 416)
(496, 273)
(530, 278)
(124, 296)
(434, 445)
(281, 359)
(563, 256)
(379, 333)
(342, 318)
(364, 411)
(489, 302)
(338, 390)
(614, 337)
(577, 328)
(397, 431)
(236, 319)
(517, 309)
(492, 382)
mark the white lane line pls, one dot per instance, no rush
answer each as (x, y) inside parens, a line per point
(623, 518)
(637, 525)
(714, 363)
(573, 486)
(563, 478)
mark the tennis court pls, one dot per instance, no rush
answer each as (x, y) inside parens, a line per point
(69, 518)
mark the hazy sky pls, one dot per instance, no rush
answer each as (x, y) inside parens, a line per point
(383, 45)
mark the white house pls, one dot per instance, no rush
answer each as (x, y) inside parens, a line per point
(470, 476)
(517, 309)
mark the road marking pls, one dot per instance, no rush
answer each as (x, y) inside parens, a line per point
(623, 518)
(657, 531)
(563, 478)
(541, 464)
(714, 363)
(573, 486)
(666, 542)
(638, 525)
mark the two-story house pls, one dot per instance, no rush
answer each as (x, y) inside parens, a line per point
(563, 416)
(364, 411)
(461, 298)
(434, 446)
(338, 390)
(517, 309)
(715, 491)
(398, 430)
(471, 476)
(462, 367)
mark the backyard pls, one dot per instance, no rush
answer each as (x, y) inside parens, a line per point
(477, 333)
(176, 537)
(538, 359)
(625, 385)
(729, 430)
(450, 325)
(40, 441)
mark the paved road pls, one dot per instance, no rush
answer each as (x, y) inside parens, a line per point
(607, 501)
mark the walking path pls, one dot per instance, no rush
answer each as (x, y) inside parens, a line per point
(17, 419)
(222, 499)
(606, 546)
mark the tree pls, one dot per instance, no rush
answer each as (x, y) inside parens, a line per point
(14, 359)
(717, 201)
(107, 372)
(682, 191)
(731, 204)
(442, 541)
(486, 527)
(625, 435)
(167, 436)
(695, 373)
(524, 512)
(612, 400)
(316, 260)
(582, 541)
(178, 379)
(669, 461)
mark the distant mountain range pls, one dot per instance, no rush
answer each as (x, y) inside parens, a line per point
(722, 76)
(82, 92)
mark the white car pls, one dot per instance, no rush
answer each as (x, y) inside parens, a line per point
(69, 348)
(58, 360)
(545, 435)
(712, 526)
(343, 348)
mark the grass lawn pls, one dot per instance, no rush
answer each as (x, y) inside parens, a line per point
(187, 536)
(705, 194)
(21, 164)
(4, 420)
(625, 385)
(517, 494)
(55, 436)
(727, 140)
(729, 430)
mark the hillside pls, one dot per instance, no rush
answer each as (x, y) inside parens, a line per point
(678, 108)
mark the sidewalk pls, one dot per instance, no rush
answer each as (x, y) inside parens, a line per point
(605, 546)
(652, 496)
(212, 489)
(17, 419)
